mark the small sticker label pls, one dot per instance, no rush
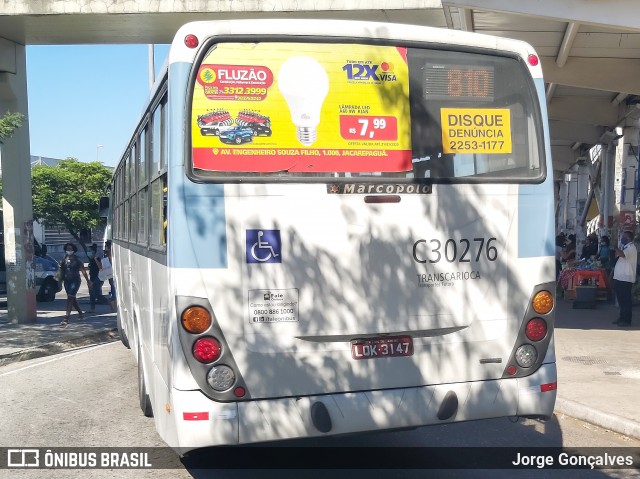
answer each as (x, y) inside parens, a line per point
(263, 246)
(476, 130)
(225, 414)
(273, 305)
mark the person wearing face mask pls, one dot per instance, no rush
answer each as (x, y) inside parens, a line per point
(71, 267)
(95, 291)
(624, 275)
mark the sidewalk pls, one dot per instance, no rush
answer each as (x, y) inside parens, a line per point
(598, 362)
(598, 367)
(19, 342)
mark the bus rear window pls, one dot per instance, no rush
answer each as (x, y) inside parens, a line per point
(317, 111)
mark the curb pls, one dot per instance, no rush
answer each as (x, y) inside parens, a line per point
(614, 423)
(105, 336)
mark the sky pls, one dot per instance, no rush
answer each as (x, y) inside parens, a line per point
(84, 96)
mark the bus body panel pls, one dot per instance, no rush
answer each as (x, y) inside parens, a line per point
(354, 293)
(286, 418)
(348, 298)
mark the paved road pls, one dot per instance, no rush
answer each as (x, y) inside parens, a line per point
(89, 398)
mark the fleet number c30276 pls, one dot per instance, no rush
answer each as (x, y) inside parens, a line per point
(455, 251)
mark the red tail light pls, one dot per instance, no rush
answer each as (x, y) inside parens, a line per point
(536, 329)
(207, 350)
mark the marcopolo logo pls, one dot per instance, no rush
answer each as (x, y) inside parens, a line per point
(381, 188)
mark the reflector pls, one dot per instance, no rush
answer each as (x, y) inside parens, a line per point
(548, 387)
(195, 416)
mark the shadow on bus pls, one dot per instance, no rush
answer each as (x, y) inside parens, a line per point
(471, 449)
(438, 268)
(365, 270)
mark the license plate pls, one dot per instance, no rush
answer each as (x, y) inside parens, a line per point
(384, 347)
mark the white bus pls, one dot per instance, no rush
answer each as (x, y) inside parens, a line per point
(363, 242)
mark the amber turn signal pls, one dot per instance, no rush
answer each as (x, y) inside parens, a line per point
(543, 302)
(196, 319)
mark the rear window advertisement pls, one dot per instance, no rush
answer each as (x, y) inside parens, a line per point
(301, 108)
(325, 109)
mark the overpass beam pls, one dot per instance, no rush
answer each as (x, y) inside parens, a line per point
(608, 74)
(619, 14)
(16, 191)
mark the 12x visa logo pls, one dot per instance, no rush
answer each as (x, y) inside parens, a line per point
(369, 71)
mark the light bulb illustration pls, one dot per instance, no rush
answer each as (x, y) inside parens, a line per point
(304, 83)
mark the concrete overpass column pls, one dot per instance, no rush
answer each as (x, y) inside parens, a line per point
(625, 183)
(609, 171)
(563, 204)
(16, 191)
(596, 164)
(572, 199)
(582, 195)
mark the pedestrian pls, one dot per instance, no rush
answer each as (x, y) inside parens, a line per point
(569, 255)
(104, 264)
(604, 253)
(71, 267)
(95, 292)
(624, 275)
(560, 240)
(590, 248)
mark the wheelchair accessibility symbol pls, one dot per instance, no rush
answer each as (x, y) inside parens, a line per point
(263, 246)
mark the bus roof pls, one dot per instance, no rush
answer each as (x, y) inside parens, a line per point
(279, 28)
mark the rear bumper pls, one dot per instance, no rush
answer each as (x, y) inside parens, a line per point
(276, 419)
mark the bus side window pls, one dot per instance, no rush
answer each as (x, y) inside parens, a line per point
(164, 210)
(158, 223)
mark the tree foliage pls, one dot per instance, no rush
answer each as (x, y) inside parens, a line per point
(69, 194)
(8, 124)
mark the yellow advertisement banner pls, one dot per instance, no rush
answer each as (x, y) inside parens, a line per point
(476, 130)
(303, 107)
